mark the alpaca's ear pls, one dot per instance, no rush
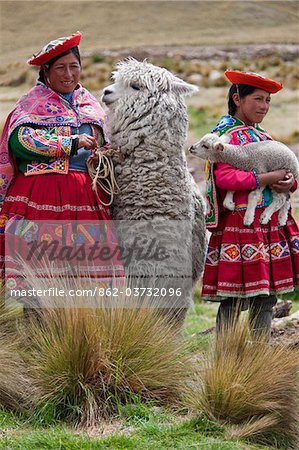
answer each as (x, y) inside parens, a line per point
(183, 88)
(219, 147)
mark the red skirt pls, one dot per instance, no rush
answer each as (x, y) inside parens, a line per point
(55, 197)
(249, 261)
(61, 200)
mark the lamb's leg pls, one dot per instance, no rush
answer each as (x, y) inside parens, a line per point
(277, 202)
(283, 213)
(228, 202)
(253, 198)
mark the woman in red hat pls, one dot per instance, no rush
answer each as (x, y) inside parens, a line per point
(45, 144)
(248, 265)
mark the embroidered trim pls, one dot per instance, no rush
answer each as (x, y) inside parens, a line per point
(64, 145)
(57, 146)
(243, 207)
(212, 257)
(53, 207)
(294, 244)
(56, 142)
(258, 184)
(225, 294)
(251, 252)
(57, 166)
(252, 283)
(88, 271)
(279, 250)
(230, 252)
(263, 290)
(249, 230)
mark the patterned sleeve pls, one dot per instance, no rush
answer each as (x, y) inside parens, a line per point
(28, 143)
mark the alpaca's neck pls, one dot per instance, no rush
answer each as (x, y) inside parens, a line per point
(156, 123)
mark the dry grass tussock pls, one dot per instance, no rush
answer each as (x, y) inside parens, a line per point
(249, 387)
(85, 361)
(16, 391)
(15, 382)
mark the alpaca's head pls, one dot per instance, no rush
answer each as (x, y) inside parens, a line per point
(134, 79)
(145, 100)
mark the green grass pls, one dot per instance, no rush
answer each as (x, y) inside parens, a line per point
(296, 213)
(294, 296)
(202, 120)
(55, 438)
(157, 429)
(200, 318)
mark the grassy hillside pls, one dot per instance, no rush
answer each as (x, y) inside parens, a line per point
(26, 25)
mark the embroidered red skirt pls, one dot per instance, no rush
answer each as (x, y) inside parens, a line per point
(55, 197)
(249, 261)
(60, 200)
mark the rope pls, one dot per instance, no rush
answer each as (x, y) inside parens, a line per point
(103, 175)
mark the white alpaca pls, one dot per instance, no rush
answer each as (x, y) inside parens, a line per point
(148, 124)
(264, 156)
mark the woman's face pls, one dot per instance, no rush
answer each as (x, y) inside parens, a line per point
(252, 108)
(64, 74)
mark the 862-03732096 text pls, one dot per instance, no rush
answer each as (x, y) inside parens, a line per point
(98, 291)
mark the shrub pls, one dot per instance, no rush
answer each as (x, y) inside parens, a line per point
(85, 361)
(251, 387)
(97, 58)
(16, 391)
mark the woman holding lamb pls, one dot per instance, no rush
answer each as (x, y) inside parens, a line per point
(248, 265)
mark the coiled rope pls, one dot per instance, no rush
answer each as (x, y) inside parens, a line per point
(103, 175)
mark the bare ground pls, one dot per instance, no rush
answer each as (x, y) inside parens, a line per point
(288, 335)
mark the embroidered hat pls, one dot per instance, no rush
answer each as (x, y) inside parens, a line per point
(55, 48)
(253, 79)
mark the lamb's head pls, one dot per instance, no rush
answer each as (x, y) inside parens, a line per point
(144, 97)
(208, 148)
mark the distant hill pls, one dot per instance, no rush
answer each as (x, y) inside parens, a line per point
(27, 25)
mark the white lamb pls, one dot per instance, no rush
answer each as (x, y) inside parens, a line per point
(265, 156)
(148, 124)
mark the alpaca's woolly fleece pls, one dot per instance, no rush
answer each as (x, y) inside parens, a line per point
(148, 123)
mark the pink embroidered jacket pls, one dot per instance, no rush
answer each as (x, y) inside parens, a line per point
(44, 107)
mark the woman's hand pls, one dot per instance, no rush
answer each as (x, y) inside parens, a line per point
(272, 178)
(86, 141)
(284, 185)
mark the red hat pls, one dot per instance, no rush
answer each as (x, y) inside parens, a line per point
(253, 79)
(55, 48)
